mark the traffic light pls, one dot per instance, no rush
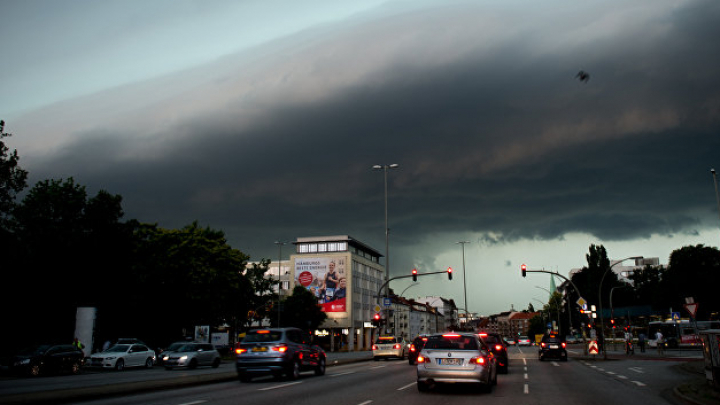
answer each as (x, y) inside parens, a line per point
(612, 322)
(376, 319)
(449, 270)
(414, 274)
(523, 269)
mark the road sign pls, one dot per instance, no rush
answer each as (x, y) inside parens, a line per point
(386, 302)
(675, 316)
(692, 308)
(581, 302)
(593, 347)
(377, 308)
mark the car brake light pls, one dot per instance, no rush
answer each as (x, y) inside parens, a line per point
(281, 349)
(374, 347)
(240, 350)
(450, 335)
(483, 335)
(563, 345)
(412, 348)
(397, 346)
(424, 339)
(542, 344)
(421, 359)
(477, 360)
(498, 347)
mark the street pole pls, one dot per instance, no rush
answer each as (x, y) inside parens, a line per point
(387, 233)
(717, 195)
(602, 319)
(467, 314)
(280, 245)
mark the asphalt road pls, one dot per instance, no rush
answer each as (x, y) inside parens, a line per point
(580, 380)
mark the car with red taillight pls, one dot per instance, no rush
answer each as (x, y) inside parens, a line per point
(388, 347)
(552, 346)
(415, 347)
(454, 358)
(497, 345)
(278, 352)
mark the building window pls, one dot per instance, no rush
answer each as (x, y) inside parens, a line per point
(322, 247)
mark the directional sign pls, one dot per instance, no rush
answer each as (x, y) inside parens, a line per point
(593, 347)
(386, 302)
(692, 308)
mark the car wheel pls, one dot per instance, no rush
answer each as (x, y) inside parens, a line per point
(149, 362)
(376, 358)
(294, 373)
(320, 369)
(35, 370)
(422, 387)
(119, 365)
(193, 364)
(75, 368)
(216, 363)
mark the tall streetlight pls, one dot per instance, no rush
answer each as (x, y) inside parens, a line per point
(467, 314)
(717, 195)
(602, 319)
(385, 169)
(280, 245)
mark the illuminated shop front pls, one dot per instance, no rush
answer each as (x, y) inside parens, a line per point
(344, 275)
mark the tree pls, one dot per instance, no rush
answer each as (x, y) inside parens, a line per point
(13, 179)
(530, 308)
(264, 297)
(302, 311)
(588, 278)
(693, 271)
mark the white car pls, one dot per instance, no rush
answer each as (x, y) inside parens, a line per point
(192, 355)
(120, 356)
(524, 341)
(389, 347)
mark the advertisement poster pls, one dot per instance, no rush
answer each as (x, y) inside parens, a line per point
(202, 334)
(326, 278)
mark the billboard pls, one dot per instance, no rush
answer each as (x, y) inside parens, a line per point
(326, 278)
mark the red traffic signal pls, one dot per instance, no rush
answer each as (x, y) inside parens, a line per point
(523, 269)
(449, 270)
(414, 274)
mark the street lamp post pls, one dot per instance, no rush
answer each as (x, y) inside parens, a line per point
(385, 169)
(280, 245)
(467, 314)
(602, 319)
(717, 195)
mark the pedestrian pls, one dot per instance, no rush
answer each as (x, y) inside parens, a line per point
(641, 342)
(660, 339)
(77, 343)
(629, 342)
(106, 345)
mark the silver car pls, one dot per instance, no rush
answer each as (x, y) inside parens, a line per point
(192, 355)
(389, 347)
(456, 358)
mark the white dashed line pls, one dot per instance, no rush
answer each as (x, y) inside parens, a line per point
(194, 402)
(526, 389)
(365, 403)
(622, 376)
(339, 374)
(279, 386)
(638, 383)
(636, 369)
(407, 386)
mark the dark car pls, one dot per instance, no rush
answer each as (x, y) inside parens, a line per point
(278, 352)
(499, 348)
(415, 347)
(552, 346)
(47, 358)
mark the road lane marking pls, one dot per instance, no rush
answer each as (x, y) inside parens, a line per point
(407, 386)
(526, 376)
(638, 383)
(372, 368)
(526, 389)
(194, 402)
(279, 386)
(365, 403)
(622, 376)
(555, 363)
(636, 369)
(525, 368)
(610, 372)
(338, 374)
(524, 361)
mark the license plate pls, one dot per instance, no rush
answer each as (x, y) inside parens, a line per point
(451, 362)
(259, 349)
(554, 346)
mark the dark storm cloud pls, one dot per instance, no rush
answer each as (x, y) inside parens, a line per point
(500, 139)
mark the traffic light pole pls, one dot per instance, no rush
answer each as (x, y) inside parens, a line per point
(524, 270)
(414, 275)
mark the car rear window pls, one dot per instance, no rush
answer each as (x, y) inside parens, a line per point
(262, 336)
(456, 342)
(387, 339)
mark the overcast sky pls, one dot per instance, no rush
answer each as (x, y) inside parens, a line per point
(263, 119)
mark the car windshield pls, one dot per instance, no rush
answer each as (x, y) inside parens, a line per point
(262, 336)
(34, 350)
(174, 347)
(457, 342)
(118, 348)
(187, 348)
(387, 339)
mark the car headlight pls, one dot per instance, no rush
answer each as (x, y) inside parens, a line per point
(110, 358)
(165, 358)
(183, 359)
